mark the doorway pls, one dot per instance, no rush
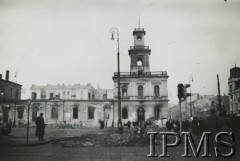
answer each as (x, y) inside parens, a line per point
(141, 114)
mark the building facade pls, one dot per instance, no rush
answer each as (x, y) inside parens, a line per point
(9, 90)
(234, 91)
(69, 92)
(9, 97)
(144, 94)
(201, 106)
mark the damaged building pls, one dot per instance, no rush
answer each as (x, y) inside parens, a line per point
(144, 94)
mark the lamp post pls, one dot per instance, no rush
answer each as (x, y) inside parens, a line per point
(29, 103)
(113, 31)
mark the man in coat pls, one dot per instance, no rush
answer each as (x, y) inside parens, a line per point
(40, 126)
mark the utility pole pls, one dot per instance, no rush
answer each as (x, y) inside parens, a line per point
(219, 96)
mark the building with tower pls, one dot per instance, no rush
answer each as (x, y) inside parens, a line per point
(234, 91)
(144, 93)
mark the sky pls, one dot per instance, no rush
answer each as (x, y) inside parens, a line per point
(69, 41)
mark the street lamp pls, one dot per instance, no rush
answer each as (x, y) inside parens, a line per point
(113, 31)
(29, 103)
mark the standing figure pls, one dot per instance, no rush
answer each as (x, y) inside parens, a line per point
(128, 124)
(40, 127)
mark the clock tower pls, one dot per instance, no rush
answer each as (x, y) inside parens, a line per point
(144, 93)
(139, 53)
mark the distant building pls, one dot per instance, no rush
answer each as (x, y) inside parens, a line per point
(234, 91)
(9, 97)
(201, 106)
(9, 90)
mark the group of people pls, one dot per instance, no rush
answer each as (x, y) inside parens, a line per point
(213, 123)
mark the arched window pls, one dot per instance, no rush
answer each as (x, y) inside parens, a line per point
(124, 113)
(139, 62)
(75, 113)
(139, 37)
(141, 114)
(156, 91)
(54, 113)
(140, 91)
(124, 90)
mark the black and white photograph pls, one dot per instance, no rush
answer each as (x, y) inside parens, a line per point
(119, 80)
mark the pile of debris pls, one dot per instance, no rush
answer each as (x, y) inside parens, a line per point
(134, 136)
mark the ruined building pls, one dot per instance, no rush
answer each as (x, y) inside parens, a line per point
(144, 94)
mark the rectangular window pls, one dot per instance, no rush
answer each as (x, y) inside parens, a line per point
(91, 112)
(89, 96)
(20, 112)
(51, 95)
(34, 95)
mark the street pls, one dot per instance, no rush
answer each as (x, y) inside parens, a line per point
(52, 152)
(56, 153)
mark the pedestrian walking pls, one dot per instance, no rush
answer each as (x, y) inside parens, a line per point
(40, 126)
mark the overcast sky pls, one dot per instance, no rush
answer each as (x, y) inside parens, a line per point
(68, 41)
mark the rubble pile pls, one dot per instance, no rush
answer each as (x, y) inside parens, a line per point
(134, 136)
(99, 140)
